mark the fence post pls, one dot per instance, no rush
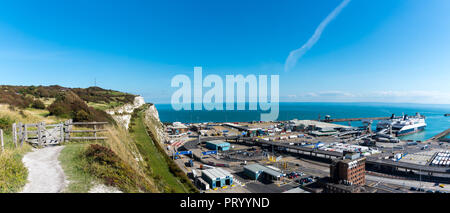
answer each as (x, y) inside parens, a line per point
(95, 133)
(39, 131)
(1, 139)
(62, 132)
(44, 130)
(20, 134)
(14, 134)
(67, 128)
(25, 133)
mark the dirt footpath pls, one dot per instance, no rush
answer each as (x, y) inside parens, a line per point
(45, 174)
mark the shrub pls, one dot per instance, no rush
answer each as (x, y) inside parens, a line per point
(69, 105)
(23, 96)
(81, 115)
(6, 123)
(107, 166)
(38, 104)
(13, 174)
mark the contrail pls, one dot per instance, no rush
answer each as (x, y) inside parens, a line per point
(296, 54)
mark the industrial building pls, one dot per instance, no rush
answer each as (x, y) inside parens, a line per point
(259, 172)
(301, 125)
(218, 145)
(178, 128)
(217, 177)
(349, 171)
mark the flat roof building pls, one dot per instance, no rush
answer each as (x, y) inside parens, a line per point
(258, 172)
(218, 145)
(217, 177)
(314, 125)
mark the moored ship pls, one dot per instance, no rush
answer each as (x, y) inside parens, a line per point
(404, 125)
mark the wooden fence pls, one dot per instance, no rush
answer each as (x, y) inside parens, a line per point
(1, 140)
(42, 134)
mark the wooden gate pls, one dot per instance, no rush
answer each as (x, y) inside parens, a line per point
(41, 134)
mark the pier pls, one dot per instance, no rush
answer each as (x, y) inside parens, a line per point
(354, 119)
(440, 135)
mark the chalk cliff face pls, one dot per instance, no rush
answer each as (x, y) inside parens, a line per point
(152, 116)
(153, 112)
(122, 114)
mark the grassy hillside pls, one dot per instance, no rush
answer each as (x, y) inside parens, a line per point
(171, 175)
(115, 162)
(132, 161)
(158, 166)
(49, 104)
(77, 103)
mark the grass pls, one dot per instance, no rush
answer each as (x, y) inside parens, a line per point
(106, 165)
(28, 115)
(132, 162)
(158, 165)
(13, 173)
(47, 101)
(88, 164)
(153, 125)
(73, 163)
(105, 106)
(161, 166)
(113, 162)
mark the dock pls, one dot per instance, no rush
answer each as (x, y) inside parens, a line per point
(440, 135)
(354, 119)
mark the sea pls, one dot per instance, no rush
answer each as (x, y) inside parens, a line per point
(434, 114)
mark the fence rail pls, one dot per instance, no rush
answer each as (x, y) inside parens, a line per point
(42, 134)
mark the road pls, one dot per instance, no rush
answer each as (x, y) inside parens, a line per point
(407, 183)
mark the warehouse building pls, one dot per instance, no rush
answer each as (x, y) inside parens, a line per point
(217, 177)
(258, 172)
(218, 145)
(178, 128)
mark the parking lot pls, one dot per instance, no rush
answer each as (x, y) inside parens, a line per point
(421, 158)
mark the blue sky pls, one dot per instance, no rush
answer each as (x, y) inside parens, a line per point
(372, 51)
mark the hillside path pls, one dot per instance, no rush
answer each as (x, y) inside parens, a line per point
(45, 174)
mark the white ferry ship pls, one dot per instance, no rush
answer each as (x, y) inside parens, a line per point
(404, 125)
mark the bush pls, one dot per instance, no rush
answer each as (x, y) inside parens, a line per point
(6, 123)
(81, 115)
(69, 105)
(38, 104)
(13, 174)
(107, 166)
(24, 96)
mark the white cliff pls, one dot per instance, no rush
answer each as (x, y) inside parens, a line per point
(122, 114)
(151, 114)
